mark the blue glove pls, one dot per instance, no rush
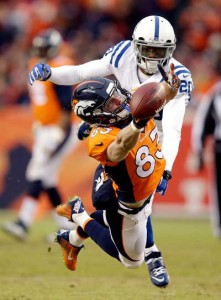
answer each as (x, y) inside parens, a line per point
(84, 130)
(162, 187)
(40, 72)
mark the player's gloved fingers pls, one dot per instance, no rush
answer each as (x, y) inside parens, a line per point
(31, 78)
(37, 73)
(40, 72)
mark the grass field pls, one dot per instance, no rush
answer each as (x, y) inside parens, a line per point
(34, 270)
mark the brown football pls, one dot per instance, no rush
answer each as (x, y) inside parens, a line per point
(148, 100)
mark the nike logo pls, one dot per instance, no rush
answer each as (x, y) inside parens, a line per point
(185, 76)
(158, 279)
(99, 144)
(70, 255)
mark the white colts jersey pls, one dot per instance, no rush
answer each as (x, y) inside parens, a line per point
(122, 63)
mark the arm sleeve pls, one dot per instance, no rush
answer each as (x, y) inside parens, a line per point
(70, 75)
(172, 121)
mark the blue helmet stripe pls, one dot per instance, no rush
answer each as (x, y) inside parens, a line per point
(121, 53)
(157, 28)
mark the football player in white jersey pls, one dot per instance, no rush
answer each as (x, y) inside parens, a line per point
(134, 62)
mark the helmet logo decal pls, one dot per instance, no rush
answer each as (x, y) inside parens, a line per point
(81, 107)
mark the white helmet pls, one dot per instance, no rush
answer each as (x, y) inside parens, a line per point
(47, 43)
(154, 42)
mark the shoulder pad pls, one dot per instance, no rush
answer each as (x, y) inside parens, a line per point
(114, 54)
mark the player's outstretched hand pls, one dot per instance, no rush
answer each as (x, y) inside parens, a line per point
(39, 72)
(170, 77)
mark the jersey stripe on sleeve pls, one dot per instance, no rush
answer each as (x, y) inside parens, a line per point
(118, 52)
(181, 70)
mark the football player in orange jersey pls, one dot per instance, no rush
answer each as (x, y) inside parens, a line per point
(132, 156)
(53, 135)
(134, 62)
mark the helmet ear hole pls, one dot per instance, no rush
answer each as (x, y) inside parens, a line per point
(46, 43)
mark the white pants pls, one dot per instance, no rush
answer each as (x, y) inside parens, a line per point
(129, 233)
(49, 149)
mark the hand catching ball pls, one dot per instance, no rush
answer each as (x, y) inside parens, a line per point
(148, 100)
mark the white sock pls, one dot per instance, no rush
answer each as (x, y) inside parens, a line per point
(27, 210)
(153, 248)
(75, 239)
(81, 219)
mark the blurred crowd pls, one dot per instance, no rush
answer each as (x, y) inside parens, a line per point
(90, 27)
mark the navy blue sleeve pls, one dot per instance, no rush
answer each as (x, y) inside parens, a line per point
(64, 94)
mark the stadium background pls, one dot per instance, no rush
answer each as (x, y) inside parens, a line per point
(89, 28)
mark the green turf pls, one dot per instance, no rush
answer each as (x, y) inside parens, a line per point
(34, 270)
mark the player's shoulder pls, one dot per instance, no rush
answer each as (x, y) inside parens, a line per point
(120, 53)
(100, 138)
(181, 71)
(185, 76)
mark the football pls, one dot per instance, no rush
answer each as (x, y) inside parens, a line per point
(148, 100)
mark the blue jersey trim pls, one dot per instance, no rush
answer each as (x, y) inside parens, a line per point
(178, 67)
(182, 72)
(121, 53)
(112, 56)
(157, 27)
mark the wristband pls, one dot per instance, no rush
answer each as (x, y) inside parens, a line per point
(134, 128)
(167, 175)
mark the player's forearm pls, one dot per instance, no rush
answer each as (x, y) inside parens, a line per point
(65, 75)
(170, 150)
(172, 123)
(125, 141)
(69, 75)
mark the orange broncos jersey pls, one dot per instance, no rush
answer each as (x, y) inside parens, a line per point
(139, 174)
(45, 103)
